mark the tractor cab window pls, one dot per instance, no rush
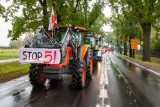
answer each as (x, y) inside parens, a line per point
(59, 34)
(87, 40)
(77, 37)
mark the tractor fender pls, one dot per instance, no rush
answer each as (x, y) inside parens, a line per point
(84, 51)
(66, 60)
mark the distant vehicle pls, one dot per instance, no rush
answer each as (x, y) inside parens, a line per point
(94, 41)
(110, 48)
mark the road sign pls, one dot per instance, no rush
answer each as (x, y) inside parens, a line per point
(134, 43)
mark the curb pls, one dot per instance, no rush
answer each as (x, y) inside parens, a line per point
(138, 65)
(129, 89)
(118, 70)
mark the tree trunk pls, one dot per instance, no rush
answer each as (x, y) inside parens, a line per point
(45, 15)
(125, 48)
(130, 50)
(45, 19)
(146, 41)
(120, 49)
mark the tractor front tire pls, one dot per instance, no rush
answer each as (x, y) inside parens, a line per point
(34, 75)
(79, 75)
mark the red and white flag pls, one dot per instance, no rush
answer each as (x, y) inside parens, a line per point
(52, 21)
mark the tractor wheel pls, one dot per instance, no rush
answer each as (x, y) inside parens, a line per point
(90, 67)
(79, 75)
(95, 65)
(34, 74)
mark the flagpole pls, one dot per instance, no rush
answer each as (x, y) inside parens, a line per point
(52, 22)
(52, 31)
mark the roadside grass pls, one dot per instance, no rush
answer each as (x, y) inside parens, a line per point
(154, 61)
(8, 53)
(11, 70)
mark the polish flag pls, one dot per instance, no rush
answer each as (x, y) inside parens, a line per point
(52, 21)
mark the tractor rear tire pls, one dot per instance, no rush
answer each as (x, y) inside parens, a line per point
(34, 74)
(79, 75)
(95, 65)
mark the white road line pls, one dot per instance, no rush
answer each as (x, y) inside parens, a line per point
(98, 105)
(14, 85)
(106, 78)
(154, 72)
(108, 106)
(103, 93)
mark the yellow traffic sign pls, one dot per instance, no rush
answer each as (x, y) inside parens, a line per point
(134, 43)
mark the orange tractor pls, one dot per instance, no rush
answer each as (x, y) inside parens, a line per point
(64, 53)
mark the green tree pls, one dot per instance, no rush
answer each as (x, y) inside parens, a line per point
(155, 36)
(28, 37)
(1, 9)
(146, 12)
(17, 43)
(36, 13)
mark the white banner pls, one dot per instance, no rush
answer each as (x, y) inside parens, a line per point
(36, 55)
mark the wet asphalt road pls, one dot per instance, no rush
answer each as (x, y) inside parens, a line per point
(107, 88)
(56, 94)
(20, 93)
(144, 85)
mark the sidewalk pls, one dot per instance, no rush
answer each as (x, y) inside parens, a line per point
(8, 60)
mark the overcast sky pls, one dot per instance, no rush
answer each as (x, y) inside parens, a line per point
(5, 26)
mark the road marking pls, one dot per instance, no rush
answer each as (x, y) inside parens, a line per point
(98, 105)
(101, 106)
(108, 106)
(104, 76)
(14, 85)
(154, 72)
(4, 89)
(103, 93)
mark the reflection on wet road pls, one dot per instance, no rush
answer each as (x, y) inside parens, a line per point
(54, 94)
(58, 93)
(148, 77)
(133, 87)
(145, 85)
